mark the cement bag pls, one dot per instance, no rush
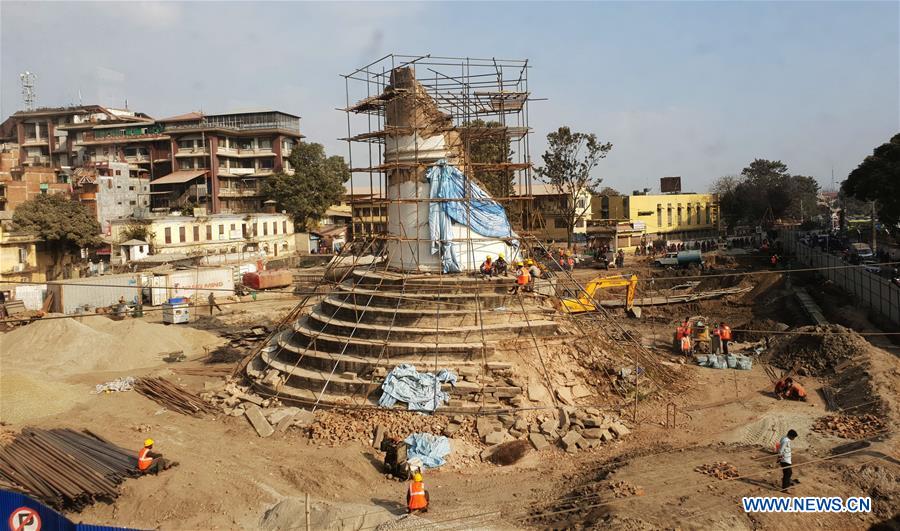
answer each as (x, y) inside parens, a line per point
(721, 363)
(744, 363)
(701, 360)
(731, 361)
(711, 360)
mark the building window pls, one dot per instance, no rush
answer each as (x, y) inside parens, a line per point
(679, 215)
(196, 233)
(131, 188)
(255, 231)
(284, 227)
(659, 215)
(274, 227)
(265, 228)
(699, 215)
(669, 210)
(579, 222)
(209, 232)
(181, 234)
(168, 234)
(708, 217)
(265, 143)
(132, 203)
(689, 214)
(221, 230)
(244, 230)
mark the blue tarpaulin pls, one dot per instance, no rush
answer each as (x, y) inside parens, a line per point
(427, 448)
(420, 390)
(480, 213)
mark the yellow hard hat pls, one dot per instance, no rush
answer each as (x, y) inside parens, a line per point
(417, 476)
(501, 255)
(148, 442)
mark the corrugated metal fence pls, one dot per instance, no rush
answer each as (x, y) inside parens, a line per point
(870, 290)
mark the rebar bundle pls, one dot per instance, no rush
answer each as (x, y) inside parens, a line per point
(167, 394)
(65, 468)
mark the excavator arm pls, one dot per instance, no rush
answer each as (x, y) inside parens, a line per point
(586, 302)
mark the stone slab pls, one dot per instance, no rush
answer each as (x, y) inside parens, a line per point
(258, 421)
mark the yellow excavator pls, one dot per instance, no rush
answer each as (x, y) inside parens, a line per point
(586, 301)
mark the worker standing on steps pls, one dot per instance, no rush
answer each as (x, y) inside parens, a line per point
(150, 462)
(522, 278)
(417, 497)
(785, 458)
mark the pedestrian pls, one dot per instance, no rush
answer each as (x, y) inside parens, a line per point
(150, 462)
(213, 303)
(785, 458)
(417, 496)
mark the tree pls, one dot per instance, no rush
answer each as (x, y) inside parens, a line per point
(65, 225)
(316, 184)
(608, 190)
(568, 162)
(490, 147)
(877, 178)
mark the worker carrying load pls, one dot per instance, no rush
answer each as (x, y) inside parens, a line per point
(150, 462)
(523, 279)
(417, 497)
(500, 266)
(787, 388)
(487, 267)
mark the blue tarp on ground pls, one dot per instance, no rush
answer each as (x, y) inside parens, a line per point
(480, 213)
(427, 448)
(420, 390)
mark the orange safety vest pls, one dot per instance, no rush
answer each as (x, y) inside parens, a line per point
(679, 333)
(487, 265)
(725, 333)
(417, 496)
(686, 343)
(523, 277)
(144, 461)
(797, 390)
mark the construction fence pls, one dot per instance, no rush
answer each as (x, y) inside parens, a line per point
(869, 289)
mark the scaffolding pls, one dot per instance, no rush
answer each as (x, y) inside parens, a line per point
(404, 113)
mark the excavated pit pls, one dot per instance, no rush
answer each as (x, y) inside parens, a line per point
(339, 353)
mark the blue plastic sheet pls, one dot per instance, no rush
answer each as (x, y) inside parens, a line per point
(420, 390)
(480, 213)
(429, 449)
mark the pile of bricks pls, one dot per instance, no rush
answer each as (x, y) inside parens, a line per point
(572, 428)
(719, 470)
(849, 426)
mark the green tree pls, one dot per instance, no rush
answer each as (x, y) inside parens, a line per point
(64, 225)
(488, 144)
(316, 184)
(877, 178)
(568, 162)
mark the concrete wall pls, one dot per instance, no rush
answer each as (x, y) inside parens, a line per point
(870, 290)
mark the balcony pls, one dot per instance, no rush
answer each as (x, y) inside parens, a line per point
(235, 192)
(32, 141)
(134, 159)
(192, 152)
(258, 152)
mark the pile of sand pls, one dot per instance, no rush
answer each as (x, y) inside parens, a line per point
(817, 349)
(67, 347)
(27, 396)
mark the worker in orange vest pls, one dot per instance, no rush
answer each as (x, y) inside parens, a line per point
(150, 462)
(724, 336)
(523, 278)
(792, 390)
(417, 496)
(487, 267)
(686, 345)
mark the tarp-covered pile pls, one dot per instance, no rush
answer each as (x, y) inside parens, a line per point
(480, 213)
(420, 390)
(427, 450)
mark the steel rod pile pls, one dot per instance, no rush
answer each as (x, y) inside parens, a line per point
(167, 394)
(65, 468)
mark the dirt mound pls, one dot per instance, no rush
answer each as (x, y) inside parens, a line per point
(817, 349)
(765, 326)
(68, 347)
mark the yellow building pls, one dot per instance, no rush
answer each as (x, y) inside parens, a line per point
(627, 219)
(249, 235)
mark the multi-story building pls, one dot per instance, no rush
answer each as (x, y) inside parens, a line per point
(626, 220)
(20, 183)
(113, 190)
(368, 213)
(227, 156)
(22, 258)
(243, 235)
(549, 208)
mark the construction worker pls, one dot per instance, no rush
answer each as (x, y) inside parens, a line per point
(417, 496)
(785, 458)
(724, 336)
(533, 270)
(791, 390)
(500, 266)
(150, 462)
(487, 267)
(522, 278)
(686, 345)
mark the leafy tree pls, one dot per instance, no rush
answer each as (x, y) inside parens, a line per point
(65, 225)
(877, 178)
(766, 186)
(316, 184)
(609, 190)
(491, 147)
(568, 162)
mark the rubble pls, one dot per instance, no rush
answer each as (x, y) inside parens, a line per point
(849, 426)
(719, 470)
(623, 489)
(817, 349)
(259, 422)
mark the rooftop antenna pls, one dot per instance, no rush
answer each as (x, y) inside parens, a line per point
(27, 79)
(80, 100)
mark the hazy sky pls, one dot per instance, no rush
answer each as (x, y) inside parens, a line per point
(679, 88)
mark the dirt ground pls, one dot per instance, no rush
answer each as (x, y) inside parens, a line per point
(229, 478)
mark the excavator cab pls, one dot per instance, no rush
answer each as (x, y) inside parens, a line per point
(587, 302)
